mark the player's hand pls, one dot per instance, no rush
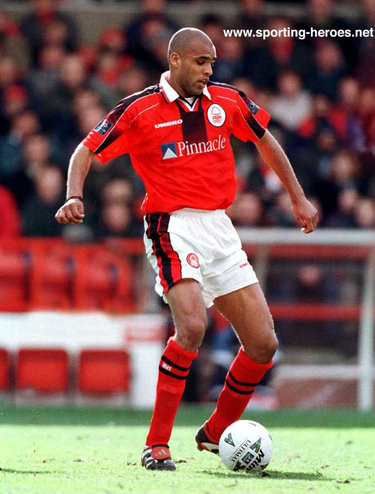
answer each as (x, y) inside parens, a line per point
(72, 211)
(306, 214)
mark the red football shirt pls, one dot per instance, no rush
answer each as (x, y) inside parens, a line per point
(181, 150)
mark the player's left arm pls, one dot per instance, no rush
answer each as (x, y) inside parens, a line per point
(303, 210)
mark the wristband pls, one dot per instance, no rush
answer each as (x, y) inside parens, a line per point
(74, 197)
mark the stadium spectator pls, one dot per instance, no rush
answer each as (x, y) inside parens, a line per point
(292, 104)
(280, 214)
(12, 43)
(117, 220)
(247, 210)
(44, 77)
(327, 69)
(23, 125)
(117, 190)
(45, 24)
(265, 62)
(152, 21)
(343, 216)
(117, 217)
(314, 286)
(111, 63)
(79, 123)
(58, 84)
(36, 154)
(366, 114)
(364, 213)
(37, 212)
(157, 35)
(251, 16)
(106, 77)
(344, 172)
(344, 112)
(84, 98)
(213, 25)
(366, 58)
(10, 74)
(320, 14)
(15, 100)
(321, 118)
(8, 28)
(133, 80)
(114, 39)
(231, 63)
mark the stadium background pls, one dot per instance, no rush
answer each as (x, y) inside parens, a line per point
(63, 65)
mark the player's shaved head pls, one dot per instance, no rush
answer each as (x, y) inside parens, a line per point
(191, 55)
(184, 38)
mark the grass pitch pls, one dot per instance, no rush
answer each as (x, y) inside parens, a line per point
(87, 451)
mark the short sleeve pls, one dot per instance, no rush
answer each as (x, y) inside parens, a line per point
(250, 121)
(112, 136)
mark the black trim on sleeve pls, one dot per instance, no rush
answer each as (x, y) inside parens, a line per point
(115, 114)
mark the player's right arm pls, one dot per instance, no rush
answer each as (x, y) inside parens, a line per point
(72, 211)
(113, 136)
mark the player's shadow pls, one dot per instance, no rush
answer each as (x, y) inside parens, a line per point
(25, 472)
(270, 474)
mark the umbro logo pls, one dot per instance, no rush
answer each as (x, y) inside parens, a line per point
(168, 124)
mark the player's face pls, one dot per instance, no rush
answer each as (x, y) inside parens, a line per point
(195, 68)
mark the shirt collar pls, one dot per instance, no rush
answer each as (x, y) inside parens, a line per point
(170, 93)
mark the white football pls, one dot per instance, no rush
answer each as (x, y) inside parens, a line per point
(246, 445)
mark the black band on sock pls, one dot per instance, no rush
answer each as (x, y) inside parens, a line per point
(169, 373)
(240, 382)
(168, 361)
(236, 390)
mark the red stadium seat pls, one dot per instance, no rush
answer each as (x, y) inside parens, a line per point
(104, 280)
(103, 372)
(14, 269)
(52, 276)
(4, 370)
(42, 370)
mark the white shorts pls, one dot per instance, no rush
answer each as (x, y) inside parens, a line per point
(203, 245)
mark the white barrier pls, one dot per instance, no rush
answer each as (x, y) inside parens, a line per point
(266, 237)
(142, 335)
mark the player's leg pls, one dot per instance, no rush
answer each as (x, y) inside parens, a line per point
(247, 311)
(189, 313)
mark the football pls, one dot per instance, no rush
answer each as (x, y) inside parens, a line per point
(246, 445)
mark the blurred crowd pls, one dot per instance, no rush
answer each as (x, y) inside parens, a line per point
(54, 88)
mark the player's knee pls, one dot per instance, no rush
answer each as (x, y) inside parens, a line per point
(264, 348)
(190, 334)
(270, 345)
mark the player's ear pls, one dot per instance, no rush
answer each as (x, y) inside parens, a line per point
(175, 60)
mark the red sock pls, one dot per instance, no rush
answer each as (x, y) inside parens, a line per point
(244, 374)
(173, 370)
